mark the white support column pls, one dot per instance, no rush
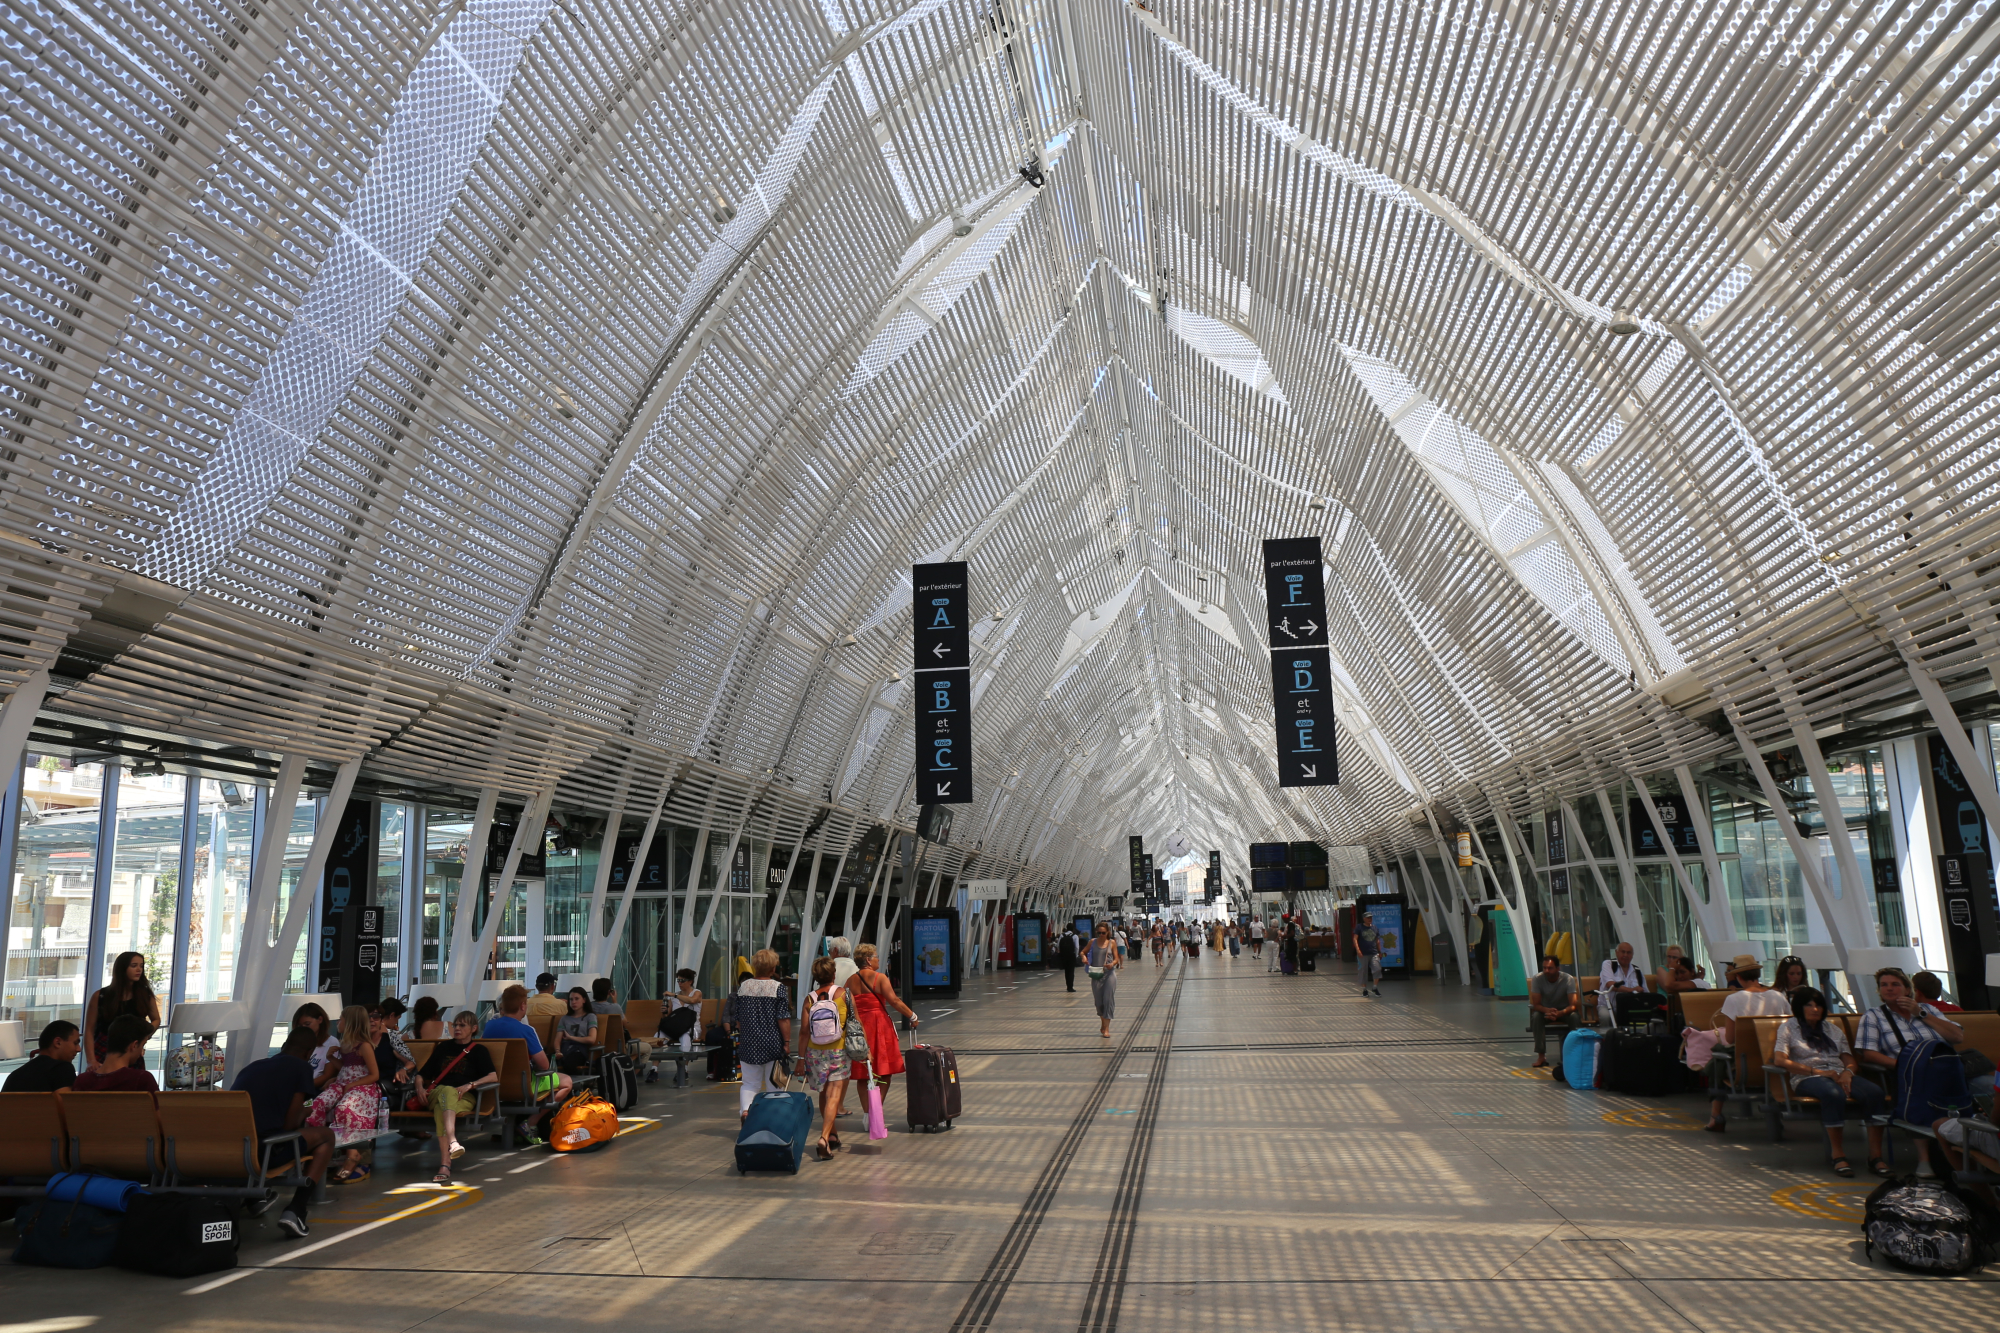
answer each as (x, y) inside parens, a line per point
(528, 833)
(719, 897)
(17, 718)
(1712, 931)
(600, 888)
(271, 990)
(605, 948)
(1916, 853)
(1856, 892)
(784, 892)
(1625, 916)
(1978, 774)
(1524, 921)
(458, 962)
(693, 885)
(253, 950)
(1808, 863)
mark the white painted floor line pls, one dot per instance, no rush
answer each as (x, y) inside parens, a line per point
(318, 1245)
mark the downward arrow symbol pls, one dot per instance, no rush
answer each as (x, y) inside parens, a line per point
(944, 789)
(1310, 770)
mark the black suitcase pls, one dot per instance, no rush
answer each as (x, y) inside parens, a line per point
(1635, 1009)
(1308, 961)
(1639, 1065)
(931, 1091)
(722, 1055)
(177, 1235)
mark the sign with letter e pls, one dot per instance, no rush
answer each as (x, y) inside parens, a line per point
(1300, 688)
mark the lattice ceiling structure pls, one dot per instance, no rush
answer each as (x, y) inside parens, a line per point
(517, 392)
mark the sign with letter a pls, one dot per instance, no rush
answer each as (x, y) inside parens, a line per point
(942, 655)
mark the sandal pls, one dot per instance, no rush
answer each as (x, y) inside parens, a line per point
(1843, 1168)
(819, 1150)
(833, 1142)
(348, 1174)
(1717, 1126)
(443, 1176)
(1879, 1166)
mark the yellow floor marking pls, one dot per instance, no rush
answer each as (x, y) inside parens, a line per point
(1653, 1117)
(1832, 1203)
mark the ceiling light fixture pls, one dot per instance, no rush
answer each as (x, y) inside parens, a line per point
(1623, 324)
(961, 225)
(846, 641)
(1317, 504)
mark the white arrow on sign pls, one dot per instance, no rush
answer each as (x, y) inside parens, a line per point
(944, 789)
(1311, 770)
(1310, 627)
(938, 650)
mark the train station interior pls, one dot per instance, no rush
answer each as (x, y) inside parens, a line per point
(1272, 606)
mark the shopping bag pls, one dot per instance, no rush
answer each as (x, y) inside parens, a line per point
(871, 1096)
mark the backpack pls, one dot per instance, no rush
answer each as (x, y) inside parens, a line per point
(823, 1023)
(1930, 1083)
(620, 1084)
(1921, 1225)
(680, 1022)
(585, 1121)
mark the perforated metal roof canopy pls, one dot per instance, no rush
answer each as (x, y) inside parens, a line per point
(520, 393)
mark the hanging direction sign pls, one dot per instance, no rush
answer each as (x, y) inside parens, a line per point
(1294, 592)
(1300, 686)
(938, 602)
(1137, 848)
(944, 737)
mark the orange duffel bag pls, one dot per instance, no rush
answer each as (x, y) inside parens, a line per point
(585, 1121)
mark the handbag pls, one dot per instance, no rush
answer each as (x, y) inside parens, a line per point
(854, 1037)
(417, 1101)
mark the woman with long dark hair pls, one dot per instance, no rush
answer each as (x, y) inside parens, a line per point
(426, 1020)
(1814, 1054)
(128, 992)
(1790, 974)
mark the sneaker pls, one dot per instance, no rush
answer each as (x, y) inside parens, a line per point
(292, 1224)
(1378, 992)
(1925, 1171)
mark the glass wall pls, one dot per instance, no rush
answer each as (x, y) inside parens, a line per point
(54, 888)
(225, 818)
(446, 833)
(390, 824)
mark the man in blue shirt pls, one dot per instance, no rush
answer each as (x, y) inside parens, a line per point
(551, 1087)
(280, 1088)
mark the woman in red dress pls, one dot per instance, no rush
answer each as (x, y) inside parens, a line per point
(874, 994)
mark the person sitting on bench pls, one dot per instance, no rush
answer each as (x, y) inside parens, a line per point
(53, 1065)
(1619, 973)
(1902, 1021)
(280, 1088)
(123, 1068)
(1813, 1054)
(448, 1086)
(1679, 973)
(551, 1087)
(1752, 999)
(1552, 1002)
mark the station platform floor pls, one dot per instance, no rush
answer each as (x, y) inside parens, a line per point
(1248, 1151)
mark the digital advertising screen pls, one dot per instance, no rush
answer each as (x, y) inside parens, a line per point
(1389, 925)
(931, 962)
(1028, 940)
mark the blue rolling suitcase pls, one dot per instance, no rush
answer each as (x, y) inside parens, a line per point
(1579, 1058)
(775, 1133)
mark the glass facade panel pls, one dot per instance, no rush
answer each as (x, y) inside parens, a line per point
(391, 822)
(54, 884)
(146, 876)
(445, 835)
(224, 816)
(298, 845)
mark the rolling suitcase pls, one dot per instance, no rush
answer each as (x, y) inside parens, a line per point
(1308, 961)
(1579, 1057)
(931, 1092)
(1639, 1065)
(774, 1134)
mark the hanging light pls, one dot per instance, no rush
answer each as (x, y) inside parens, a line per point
(1623, 324)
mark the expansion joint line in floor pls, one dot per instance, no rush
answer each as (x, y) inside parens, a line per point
(1114, 1257)
(984, 1301)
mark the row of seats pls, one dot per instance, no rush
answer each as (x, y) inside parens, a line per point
(185, 1142)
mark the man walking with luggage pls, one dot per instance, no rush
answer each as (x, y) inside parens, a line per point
(1368, 954)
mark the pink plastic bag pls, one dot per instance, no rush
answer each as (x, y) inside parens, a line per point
(871, 1096)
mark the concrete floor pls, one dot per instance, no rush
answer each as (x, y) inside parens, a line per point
(1296, 1157)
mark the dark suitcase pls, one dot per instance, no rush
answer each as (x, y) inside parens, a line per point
(722, 1053)
(1308, 962)
(774, 1134)
(1635, 1009)
(177, 1235)
(1639, 1065)
(930, 1093)
(58, 1233)
(1286, 965)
